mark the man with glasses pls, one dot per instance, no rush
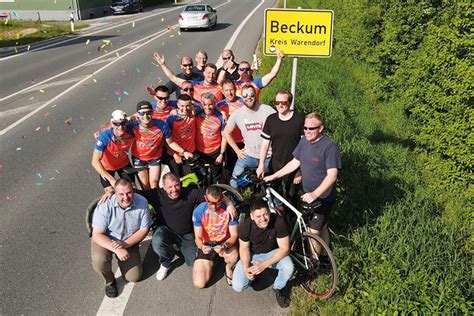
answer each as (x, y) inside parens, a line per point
(216, 236)
(186, 88)
(229, 105)
(245, 75)
(250, 120)
(161, 108)
(282, 131)
(229, 67)
(209, 83)
(319, 160)
(111, 151)
(147, 150)
(186, 74)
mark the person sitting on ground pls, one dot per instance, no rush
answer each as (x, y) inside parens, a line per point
(174, 206)
(111, 151)
(118, 226)
(264, 243)
(215, 235)
(210, 145)
(147, 150)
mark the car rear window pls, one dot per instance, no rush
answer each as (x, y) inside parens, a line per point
(195, 8)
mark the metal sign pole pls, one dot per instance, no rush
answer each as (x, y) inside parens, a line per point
(293, 76)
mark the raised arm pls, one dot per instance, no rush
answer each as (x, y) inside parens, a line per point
(276, 68)
(160, 59)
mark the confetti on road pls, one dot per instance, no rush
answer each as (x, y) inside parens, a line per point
(118, 55)
(125, 92)
(1, 167)
(33, 81)
(119, 99)
(46, 114)
(138, 70)
(39, 184)
(18, 148)
(28, 48)
(57, 171)
(50, 179)
(31, 98)
(133, 24)
(162, 43)
(172, 35)
(179, 33)
(38, 128)
(88, 41)
(48, 129)
(68, 121)
(95, 80)
(74, 131)
(53, 106)
(162, 19)
(39, 175)
(41, 90)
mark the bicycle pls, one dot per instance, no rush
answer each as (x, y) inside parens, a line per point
(316, 273)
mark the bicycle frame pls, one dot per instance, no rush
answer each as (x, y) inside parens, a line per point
(299, 226)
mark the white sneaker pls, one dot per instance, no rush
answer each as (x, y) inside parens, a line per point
(162, 273)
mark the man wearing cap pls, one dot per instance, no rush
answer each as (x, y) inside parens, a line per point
(118, 226)
(186, 74)
(147, 149)
(111, 151)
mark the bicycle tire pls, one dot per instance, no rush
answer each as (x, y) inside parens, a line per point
(318, 278)
(90, 214)
(228, 190)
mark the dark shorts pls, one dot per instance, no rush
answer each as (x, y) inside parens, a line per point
(320, 217)
(138, 163)
(122, 174)
(212, 256)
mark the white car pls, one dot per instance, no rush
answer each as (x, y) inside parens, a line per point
(197, 15)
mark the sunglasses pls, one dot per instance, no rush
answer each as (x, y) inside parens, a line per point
(226, 58)
(249, 95)
(306, 128)
(188, 89)
(162, 98)
(244, 69)
(187, 65)
(145, 113)
(281, 102)
(119, 123)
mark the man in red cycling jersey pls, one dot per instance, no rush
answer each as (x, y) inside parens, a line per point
(210, 144)
(111, 151)
(183, 131)
(209, 83)
(147, 150)
(161, 108)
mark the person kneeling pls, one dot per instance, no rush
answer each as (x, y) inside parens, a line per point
(264, 243)
(215, 235)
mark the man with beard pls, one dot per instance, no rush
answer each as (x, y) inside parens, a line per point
(186, 74)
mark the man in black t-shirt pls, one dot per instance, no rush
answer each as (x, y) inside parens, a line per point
(186, 74)
(264, 243)
(174, 208)
(282, 131)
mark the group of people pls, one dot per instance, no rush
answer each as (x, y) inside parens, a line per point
(218, 117)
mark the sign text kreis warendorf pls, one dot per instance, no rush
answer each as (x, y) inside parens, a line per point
(305, 33)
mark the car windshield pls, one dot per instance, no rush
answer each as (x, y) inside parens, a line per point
(195, 8)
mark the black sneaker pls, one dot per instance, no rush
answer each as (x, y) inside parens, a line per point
(111, 290)
(282, 298)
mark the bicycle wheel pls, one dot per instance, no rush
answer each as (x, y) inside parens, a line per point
(89, 214)
(316, 274)
(231, 193)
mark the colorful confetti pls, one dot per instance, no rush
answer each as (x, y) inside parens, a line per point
(39, 184)
(125, 92)
(133, 24)
(38, 128)
(48, 129)
(28, 48)
(138, 70)
(18, 148)
(41, 90)
(46, 114)
(162, 19)
(88, 41)
(68, 121)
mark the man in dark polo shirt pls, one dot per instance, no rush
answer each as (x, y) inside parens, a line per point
(174, 207)
(264, 243)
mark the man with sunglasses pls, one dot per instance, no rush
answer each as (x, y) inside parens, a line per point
(250, 120)
(229, 67)
(283, 131)
(147, 150)
(245, 75)
(216, 234)
(186, 88)
(111, 151)
(208, 84)
(319, 160)
(161, 108)
(186, 74)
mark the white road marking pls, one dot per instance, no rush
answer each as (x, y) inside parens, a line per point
(21, 120)
(231, 41)
(116, 306)
(59, 83)
(89, 34)
(19, 110)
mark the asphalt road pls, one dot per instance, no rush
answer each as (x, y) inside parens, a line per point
(46, 180)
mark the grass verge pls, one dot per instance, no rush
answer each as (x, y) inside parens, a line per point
(18, 33)
(395, 250)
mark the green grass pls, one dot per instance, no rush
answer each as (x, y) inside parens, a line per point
(10, 36)
(396, 251)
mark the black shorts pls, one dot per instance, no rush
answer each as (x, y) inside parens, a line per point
(122, 174)
(320, 217)
(212, 256)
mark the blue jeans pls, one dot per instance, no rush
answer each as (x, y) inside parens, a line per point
(162, 240)
(285, 269)
(240, 167)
